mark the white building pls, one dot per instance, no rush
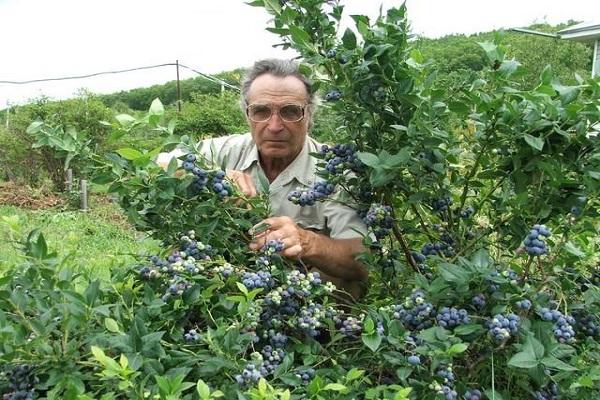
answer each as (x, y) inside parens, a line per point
(586, 32)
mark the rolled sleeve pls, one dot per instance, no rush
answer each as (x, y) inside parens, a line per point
(343, 222)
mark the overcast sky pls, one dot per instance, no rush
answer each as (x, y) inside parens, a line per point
(57, 38)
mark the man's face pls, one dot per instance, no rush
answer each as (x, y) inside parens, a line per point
(276, 139)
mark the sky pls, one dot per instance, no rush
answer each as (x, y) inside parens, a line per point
(58, 38)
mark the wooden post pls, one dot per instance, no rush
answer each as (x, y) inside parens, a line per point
(69, 180)
(84, 195)
(178, 89)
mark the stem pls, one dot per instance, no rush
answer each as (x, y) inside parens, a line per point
(398, 235)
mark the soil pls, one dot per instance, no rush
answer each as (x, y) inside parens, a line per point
(14, 194)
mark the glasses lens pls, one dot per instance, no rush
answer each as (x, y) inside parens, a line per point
(291, 113)
(259, 112)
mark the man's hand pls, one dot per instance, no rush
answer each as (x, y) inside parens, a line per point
(243, 181)
(296, 240)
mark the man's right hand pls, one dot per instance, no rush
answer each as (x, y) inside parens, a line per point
(243, 181)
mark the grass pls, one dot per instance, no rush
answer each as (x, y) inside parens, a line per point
(94, 241)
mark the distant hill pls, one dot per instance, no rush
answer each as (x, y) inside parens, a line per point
(454, 54)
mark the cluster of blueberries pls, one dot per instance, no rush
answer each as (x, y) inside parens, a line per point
(186, 259)
(441, 248)
(563, 324)
(351, 327)
(340, 158)
(442, 204)
(251, 374)
(501, 327)
(479, 301)
(272, 357)
(415, 313)
(467, 212)
(586, 323)
(550, 392)
(22, 381)
(446, 388)
(219, 185)
(318, 192)
(524, 305)
(333, 95)
(534, 243)
(472, 394)
(306, 374)
(260, 279)
(191, 336)
(379, 219)
(450, 317)
(310, 319)
(495, 277)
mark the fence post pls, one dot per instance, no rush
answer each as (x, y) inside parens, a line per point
(69, 180)
(84, 195)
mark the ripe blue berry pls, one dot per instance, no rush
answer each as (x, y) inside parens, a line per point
(414, 360)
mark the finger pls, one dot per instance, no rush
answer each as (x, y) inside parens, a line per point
(293, 251)
(262, 228)
(243, 181)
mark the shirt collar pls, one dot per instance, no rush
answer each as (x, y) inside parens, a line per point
(302, 168)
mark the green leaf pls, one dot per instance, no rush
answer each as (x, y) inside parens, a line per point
(354, 374)
(242, 288)
(567, 93)
(111, 325)
(125, 119)
(524, 359)
(369, 159)
(492, 51)
(34, 127)
(300, 37)
(464, 330)
(457, 348)
(454, 273)
(129, 154)
(157, 108)
(397, 159)
(336, 387)
(535, 142)
(272, 6)
(574, 250)
(349, 39)
(493, 394)
(372, 341)
(508, 67)
(555, 363)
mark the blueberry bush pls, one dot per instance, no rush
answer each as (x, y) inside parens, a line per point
(481, 200)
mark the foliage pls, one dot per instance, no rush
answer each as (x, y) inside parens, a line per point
(96, 241)
(208, 115)
(455, 55)
(140, 99)
(482, 195)
(58, 147)
(20, 160)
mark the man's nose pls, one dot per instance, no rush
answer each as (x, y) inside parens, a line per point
(275, 122)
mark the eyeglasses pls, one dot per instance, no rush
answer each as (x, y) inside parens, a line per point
(264, 112)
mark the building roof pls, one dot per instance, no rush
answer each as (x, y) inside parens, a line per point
(583, 32)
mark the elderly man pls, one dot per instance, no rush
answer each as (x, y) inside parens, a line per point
(279, 103)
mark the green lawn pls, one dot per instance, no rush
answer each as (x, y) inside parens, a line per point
(96, 240)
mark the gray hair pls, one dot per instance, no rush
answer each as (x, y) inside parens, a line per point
(280, 68)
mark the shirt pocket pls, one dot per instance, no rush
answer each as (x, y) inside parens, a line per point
(311, 217)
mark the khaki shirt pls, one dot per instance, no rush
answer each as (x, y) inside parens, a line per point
(238, 152)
